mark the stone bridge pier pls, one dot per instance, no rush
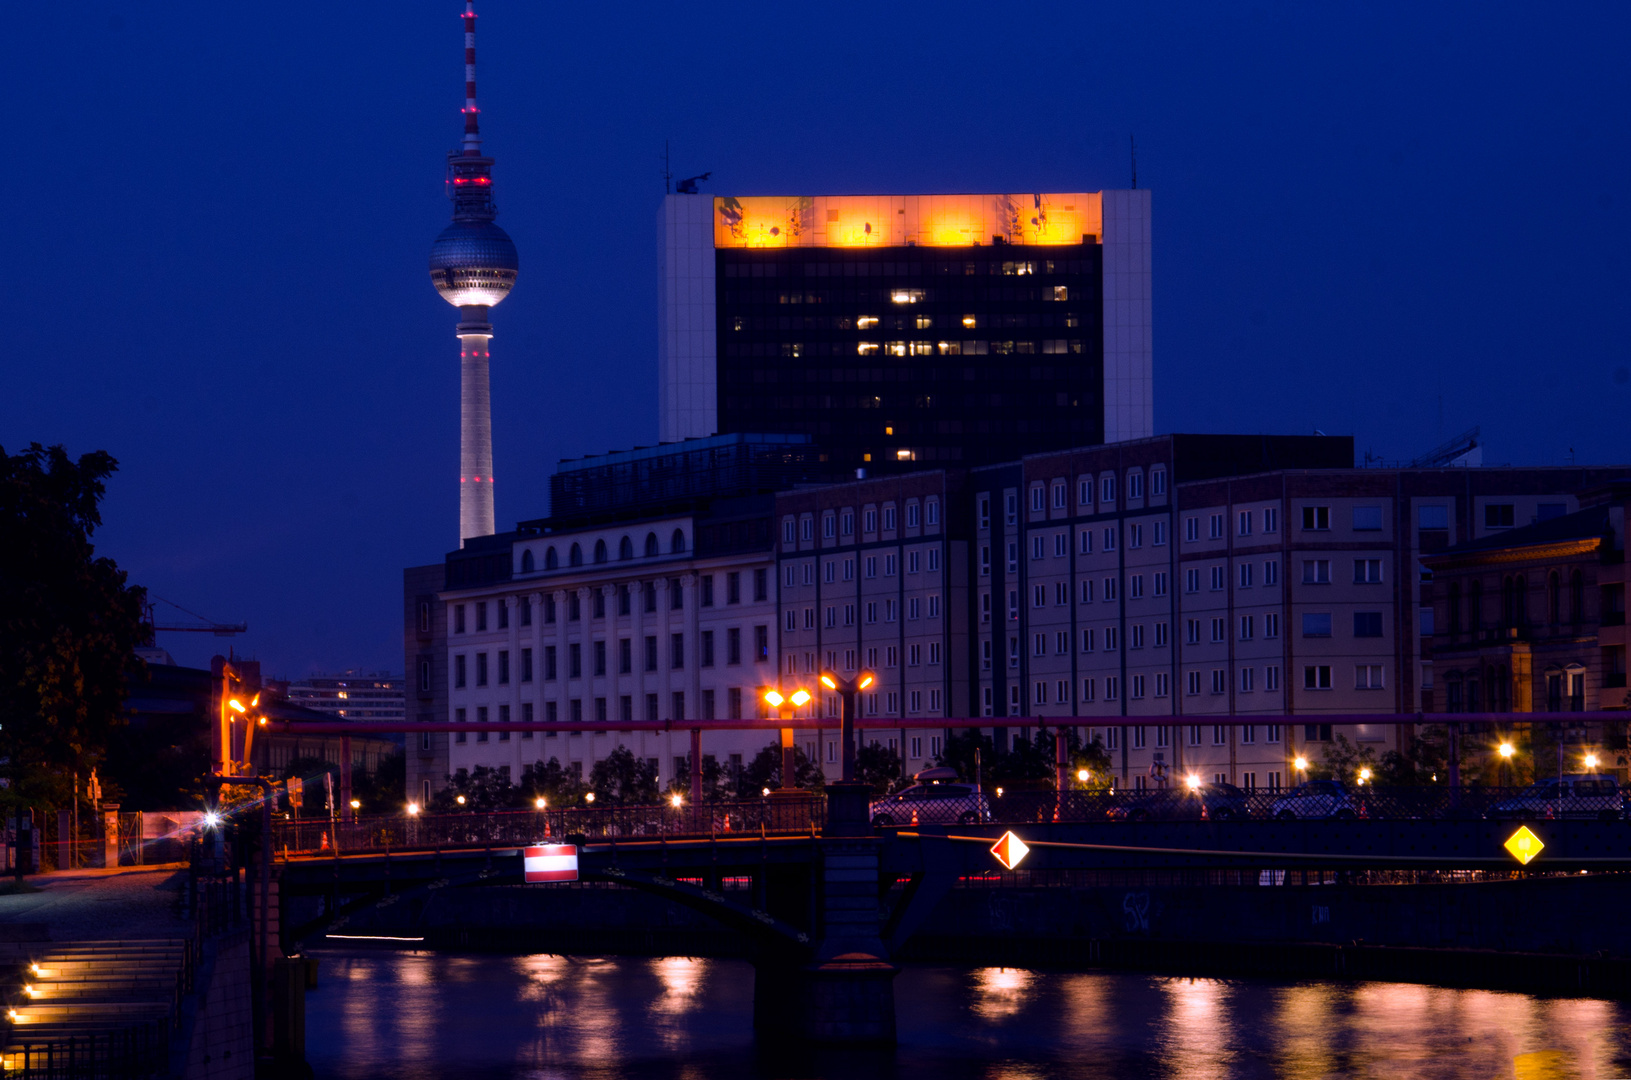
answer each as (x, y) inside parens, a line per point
(842, 991)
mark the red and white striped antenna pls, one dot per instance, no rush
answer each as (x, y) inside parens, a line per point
(472, 130)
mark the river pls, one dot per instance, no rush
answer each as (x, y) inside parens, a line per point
(415, 1016)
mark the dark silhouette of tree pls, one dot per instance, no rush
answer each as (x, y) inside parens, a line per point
(484, 790)
(621, 779)
(559, 787)
(879, 767)
(69, 623)
(765, 771)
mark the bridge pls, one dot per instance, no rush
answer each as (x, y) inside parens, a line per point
(826, 892)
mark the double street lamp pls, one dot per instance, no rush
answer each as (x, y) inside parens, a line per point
(785, 704)
(847, 690)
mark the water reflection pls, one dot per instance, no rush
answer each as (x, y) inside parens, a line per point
(410, 1016)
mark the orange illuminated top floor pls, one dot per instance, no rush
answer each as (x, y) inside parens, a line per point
(772, 221)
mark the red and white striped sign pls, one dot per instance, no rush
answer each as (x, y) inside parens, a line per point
(550, 862)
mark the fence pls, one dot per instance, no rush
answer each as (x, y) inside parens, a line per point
(128, 1053)
(770, 817)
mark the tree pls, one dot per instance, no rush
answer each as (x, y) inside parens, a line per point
(878, 766)
(621, 779)
(314, 795)
(484, 790)
(69, 623)
(765, 771)
(385, 790)
(558, 787)
(1344, 760)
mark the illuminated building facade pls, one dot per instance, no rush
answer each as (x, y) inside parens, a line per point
(899, 331)
(351, 695)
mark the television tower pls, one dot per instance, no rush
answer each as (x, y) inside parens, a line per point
(473, 264)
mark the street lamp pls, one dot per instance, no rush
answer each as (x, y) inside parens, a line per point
(356, 804)
(540, 803)
(589, 797)
(847, 690)
(784, 706)
(413, 809)
(1301, 764)
(1364, 776)
(1083, 776)
(1506, 750)
(676, 801)
(459, 799)
(1193, 782)
(1591, 762)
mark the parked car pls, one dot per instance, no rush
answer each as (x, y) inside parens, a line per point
(1316, 799)
(937, 798)
(1220, 802)
(1589, 797)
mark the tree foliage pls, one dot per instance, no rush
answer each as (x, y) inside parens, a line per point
(765, 771)
(69, 622)
(621, 779)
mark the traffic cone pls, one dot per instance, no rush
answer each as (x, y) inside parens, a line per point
(324, 846)
(1549, 815)
(1204, 816)
(914, 816)
(727, 823)
(1364, 811)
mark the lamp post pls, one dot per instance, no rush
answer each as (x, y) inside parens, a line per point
(1506, 750)
(784, 706)
(847, 690)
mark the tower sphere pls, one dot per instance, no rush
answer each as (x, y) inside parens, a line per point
(473, 263)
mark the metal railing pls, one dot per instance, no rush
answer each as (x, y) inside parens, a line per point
(804, 816)
(770, 817)
(128, 1053)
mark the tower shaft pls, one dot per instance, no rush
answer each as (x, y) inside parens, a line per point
(475, 426)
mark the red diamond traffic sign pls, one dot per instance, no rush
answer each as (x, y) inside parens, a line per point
(1010, 850)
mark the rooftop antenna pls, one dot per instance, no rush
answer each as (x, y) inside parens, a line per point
(1133, 146)
(668, 172)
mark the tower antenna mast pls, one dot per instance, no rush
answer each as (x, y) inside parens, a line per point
(473, 265)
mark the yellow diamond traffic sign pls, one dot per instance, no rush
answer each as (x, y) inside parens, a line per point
(1523, 845)
(1010, 850)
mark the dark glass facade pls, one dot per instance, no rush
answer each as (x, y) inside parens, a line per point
(890, 358)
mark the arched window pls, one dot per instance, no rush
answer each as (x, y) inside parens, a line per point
(1452, 693)
(1521, 599)
(677, 545)
(526, 561)
(600, 551)
(625, 549)
(552, 561)
(1577, 598)
(1554, 600)
(651, 545)
(575, 556)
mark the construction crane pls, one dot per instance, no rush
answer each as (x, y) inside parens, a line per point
(202, 626)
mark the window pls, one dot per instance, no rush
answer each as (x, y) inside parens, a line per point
(1112, 638)
(1220, 681)
(934, 560)
(1061, 545)
(1192, 529)
(889, 519)
(889, 565)
(1317, 677)
(1135, 587)
(1271, 624)
(1107, 489)
(1090, 640)
(1244, 523)
(1086, 545)
(1087, 591)
(651, 652)
(1271, 682)
(1158, 481)
(1036, 547)
(707, 581)
(1059, 495)
(1215, 527)
(1217, 578)
(481, 669)
(1367, 571)
(1160, 635)
(761, 584)
(1135, 490)
(1248, 623)
(1496, 516)
(1192, 580)
(1316, 518)
(1192, 631)
(1109, 589)
(1243, 683)
(1271, 519)
(1217, 628)
(1158, 586)
(761, 643)
(1135, 536)
(1316, 624)
(1433, 517)
(549, 662)
(481, 616)
(574, 661)
(1368, 677)
(706, 659)
(1036, 499)
(1316, 571)
(1112, 688)
(458, 671)
(1246, 575)
(458, 618)
(931, 512)
(1271, 571)
(1109, 538)
(503, 666)
(1367, 519)
(1368, 624)
(1137, 636)
(1084, 493)
(829, 526)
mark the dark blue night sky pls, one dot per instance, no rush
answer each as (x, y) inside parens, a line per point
(1394, 221)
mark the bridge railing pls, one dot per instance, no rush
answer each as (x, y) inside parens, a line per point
(776, 817)
(1210, 803)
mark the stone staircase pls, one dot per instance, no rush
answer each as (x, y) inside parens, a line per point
(91, 1007)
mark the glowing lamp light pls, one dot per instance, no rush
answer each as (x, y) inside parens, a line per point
(212, 819)
(999, 793)
(1591, 761)
(1506, 750)
(829, 682)
(865, 680)
(236, 705)
(764, 791)
(1364, 775)
(459, 799)
(261, 721)
(540, 802)
(1193, 781)
(800, 698)
(589, 797)
(356, 804)
(1083, 776)
(774, 699)
(256, 700)
(675, 801)
(1301, 764)
(413, 809)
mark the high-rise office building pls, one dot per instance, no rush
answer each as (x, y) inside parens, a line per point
(898, 330)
